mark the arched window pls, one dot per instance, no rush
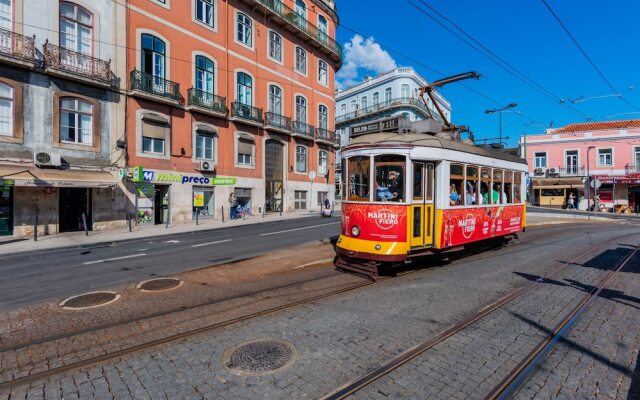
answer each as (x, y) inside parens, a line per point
(323, 162)
(245, 89)
(404, 92)
(76, 28)
(301, 60)
(275, 46)
(323, 117)
(363, 103)
(322, 28)
(205, 75)
(301, 109)
(6, 110)
(387, 96)
(244, 29)
(6, 15)
(275, 99)
(301, 8)
(153, 56)
(323, 72)
(76, 121)
(301, 159)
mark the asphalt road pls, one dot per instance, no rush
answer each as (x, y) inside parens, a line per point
(28, 278)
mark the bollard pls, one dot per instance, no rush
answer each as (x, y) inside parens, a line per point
(129, 218)
(197, 214)
(264, 209)
(222, 213)
(244, 214)
(35, 228)
(84, 222)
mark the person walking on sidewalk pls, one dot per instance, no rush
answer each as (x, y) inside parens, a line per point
(233, 206)
(570, 201)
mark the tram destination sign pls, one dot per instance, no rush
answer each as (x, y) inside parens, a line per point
(385, 125)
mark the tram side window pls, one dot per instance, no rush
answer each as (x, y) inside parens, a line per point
(456, 185)
(471, 186)
(508, 187)
(358, 179)
(418, 180)
(430, 180)
(389, 178)
(485, 186)
(517, 186)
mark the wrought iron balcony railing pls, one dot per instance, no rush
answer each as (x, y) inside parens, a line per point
(247, 112)
(572, 170)
(302, 24)
(326, 135)
(207, 100)
(155, 85)
(631, 168)
(303, 129)
(277, 121)
(385, 105)
(75, 63)
(17, 46)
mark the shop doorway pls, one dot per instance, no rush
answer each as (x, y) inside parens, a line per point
(634, 199)
(73, 203)
(274, 175)
(161, 204)
(6, 210)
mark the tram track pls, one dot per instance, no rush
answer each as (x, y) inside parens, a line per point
(514, 378)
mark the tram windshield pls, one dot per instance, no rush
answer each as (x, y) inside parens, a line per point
(389, 178)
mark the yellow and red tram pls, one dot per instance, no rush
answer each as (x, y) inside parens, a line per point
(412, 194)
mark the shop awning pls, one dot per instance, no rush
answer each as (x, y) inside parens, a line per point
(557, 183)
(39, 177)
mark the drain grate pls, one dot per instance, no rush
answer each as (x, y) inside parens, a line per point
(90, 300)
(159, 284)
(260, 357)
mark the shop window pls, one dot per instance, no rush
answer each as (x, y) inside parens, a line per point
(301, 159)
(456, 184)
(203, 202)
(389, 178)
(76, 121)
(358, 182)
(300, 200)
(472, 186)
(244, 200)
(155, 133)
(605, 157)
(246, 148)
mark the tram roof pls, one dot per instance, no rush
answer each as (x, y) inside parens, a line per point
(392, 139)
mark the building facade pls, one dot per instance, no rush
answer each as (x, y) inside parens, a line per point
(561, 160)
(229, 97)
(61, 115)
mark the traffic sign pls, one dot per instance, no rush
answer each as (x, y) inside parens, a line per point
(312, 175)
(595, 184)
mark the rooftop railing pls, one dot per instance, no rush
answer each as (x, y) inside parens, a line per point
(76, 63)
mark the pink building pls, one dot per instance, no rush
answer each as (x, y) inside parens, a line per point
(561, 159)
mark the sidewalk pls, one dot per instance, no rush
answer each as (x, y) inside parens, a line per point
(78, 239)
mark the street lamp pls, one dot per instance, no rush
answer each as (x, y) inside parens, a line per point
(499, 111)
(589, 178)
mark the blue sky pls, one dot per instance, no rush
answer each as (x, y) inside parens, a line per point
(525, 35)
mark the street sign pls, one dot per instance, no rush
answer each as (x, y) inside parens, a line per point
(312, 175)
(595, 184)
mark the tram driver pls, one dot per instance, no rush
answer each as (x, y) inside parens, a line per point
(395, 186)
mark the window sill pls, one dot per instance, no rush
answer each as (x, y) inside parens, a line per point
(77, 146)
(245, 166)
(246, 46)
(153, 155)
(213, 29)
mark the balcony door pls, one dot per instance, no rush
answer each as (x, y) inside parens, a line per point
(6, 15)
(571, 162)
(153, 63)
(76, 36)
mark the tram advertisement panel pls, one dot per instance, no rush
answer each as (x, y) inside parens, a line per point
(460, 226)
(384, 223)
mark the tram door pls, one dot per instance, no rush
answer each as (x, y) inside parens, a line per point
(422, 204)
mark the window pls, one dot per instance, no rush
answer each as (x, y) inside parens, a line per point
(363, 103)
(404, 92)
(153, 58)
(389, 178)
(540, 160)
(605, 157)
(301, 159)
(76, 30)
(571, 162)
(204, 12)
(204, 74)
(321, 197)
(155, 131)
(275, 46)
(322, 29)
(358, 182)
(300, 200)
(244, 30)
(387, 96)
(354, 106)
(343, 109)
(301, 8)
(637, 159)
(245, 89)
(6, 110)
(245, 151)
(6, 16)
(485, 185)
(275, 99)
(323, 163)
(507, 188)
(323, 117)
(207, 194)
(517, 179)
(205, 142)
(301, 60)
(456, 184)
(301, 109)
(376, 98)
(323, 72)
(76, 121)
(471, 186)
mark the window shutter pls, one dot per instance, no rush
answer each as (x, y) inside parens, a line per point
(245, 146)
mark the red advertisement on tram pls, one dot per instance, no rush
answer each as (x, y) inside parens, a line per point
(465, 225)
(383, 223)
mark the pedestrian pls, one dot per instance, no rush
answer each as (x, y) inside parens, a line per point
(233, 205)
(570, 201)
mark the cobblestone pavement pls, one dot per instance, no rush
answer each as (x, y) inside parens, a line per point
(341, 338)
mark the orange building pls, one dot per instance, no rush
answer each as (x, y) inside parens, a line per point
(226, 97)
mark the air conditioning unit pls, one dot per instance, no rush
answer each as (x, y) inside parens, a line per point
(207, 166)
(538, 171)
(46, 159)
(552, 172)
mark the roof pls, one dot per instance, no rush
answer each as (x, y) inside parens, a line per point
(597, 126)
(427, 140)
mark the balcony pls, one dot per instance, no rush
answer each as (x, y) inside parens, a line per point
(300, 129)
(206, 103)
(155, 88)
(77, 66)
(277, 123)
(572, 171)
(383, 107)
(284, 15)
(16, 49)
(631, 169)
(246, 114)
(326, 136)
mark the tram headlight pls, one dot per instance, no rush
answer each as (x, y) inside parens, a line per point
(378, 247)
(355, 231)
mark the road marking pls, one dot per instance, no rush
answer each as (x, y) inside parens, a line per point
(171, 241)
(114, 259)
(206, 244)
(298, 229)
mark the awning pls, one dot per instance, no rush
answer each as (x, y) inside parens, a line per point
(557, 183)
(38, 177)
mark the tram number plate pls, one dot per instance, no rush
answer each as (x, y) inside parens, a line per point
(389, 124)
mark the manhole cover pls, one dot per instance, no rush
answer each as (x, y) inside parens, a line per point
(260, 357)
(90, 300)
(159, 284)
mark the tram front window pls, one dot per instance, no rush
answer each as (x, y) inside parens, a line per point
(389, 178)
(358, 183)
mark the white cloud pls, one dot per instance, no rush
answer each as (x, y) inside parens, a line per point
(362, 56)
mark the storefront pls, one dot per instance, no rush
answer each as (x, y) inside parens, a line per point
(619, 190)
(6, 208)
(554, 192)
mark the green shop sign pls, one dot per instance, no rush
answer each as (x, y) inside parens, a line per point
(142, 175)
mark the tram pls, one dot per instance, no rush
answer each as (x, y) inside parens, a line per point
(407, 195)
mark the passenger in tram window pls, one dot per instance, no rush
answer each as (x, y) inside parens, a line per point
(382, 193)
(495, 196)
(395, 186)
(470, 197)
(454, 198)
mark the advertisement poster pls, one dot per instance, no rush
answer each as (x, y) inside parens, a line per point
(198, 197)
(460, 226)
(383, 223)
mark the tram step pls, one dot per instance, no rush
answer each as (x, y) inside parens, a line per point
(366, 268)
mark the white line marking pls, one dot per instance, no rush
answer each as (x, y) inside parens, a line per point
(206, 244)
(114, 259)
(171, 241)
(298, 229)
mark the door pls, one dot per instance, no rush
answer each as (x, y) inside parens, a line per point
(274, 175)
(572, 162)
(422, 204)
(6, 210)
(161, 204)
(74, 202)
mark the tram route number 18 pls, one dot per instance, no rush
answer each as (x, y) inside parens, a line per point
(389, 124)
